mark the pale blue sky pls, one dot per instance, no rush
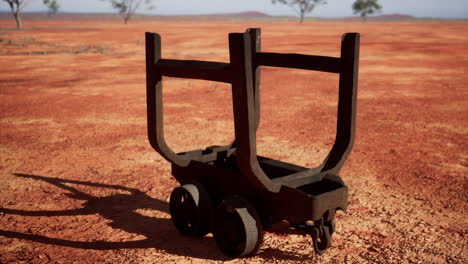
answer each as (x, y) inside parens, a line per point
(334, 8)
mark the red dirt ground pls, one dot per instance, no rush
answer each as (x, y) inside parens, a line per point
(79, 182)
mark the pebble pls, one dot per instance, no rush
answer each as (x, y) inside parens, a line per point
(371, 248)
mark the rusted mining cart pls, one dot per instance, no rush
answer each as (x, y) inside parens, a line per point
(232, 192)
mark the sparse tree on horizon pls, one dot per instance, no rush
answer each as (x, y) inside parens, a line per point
(127, 8)
(302, 7)
(52, 5)
(366, 7)
(16, 7)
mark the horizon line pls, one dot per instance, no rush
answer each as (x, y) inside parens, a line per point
(259, 13)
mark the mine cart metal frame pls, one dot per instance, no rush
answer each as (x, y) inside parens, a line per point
(229, 190)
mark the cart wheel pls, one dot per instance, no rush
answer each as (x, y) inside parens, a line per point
(237, 228)
(190, 209)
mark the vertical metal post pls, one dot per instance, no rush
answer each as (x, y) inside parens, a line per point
(346, 120)
(244, 112)
(154, 100)
(242, 95)
(256, 44)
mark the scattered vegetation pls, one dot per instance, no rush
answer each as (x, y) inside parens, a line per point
(366, 7)
(302, 7)
(91, 49)
(52, 6)
(139, 42)
(127, 8)
(17, 7)
(23, 41)
(27, 42)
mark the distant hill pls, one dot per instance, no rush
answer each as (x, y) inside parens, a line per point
(391, 17)
(251, 14)
(385, 17)
(395, 16)
(247, 15)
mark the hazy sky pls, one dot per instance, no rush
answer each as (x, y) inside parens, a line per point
(334, 8)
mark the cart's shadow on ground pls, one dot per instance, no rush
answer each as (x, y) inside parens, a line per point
(121, 210)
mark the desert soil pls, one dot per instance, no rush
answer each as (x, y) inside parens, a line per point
(79, 182)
